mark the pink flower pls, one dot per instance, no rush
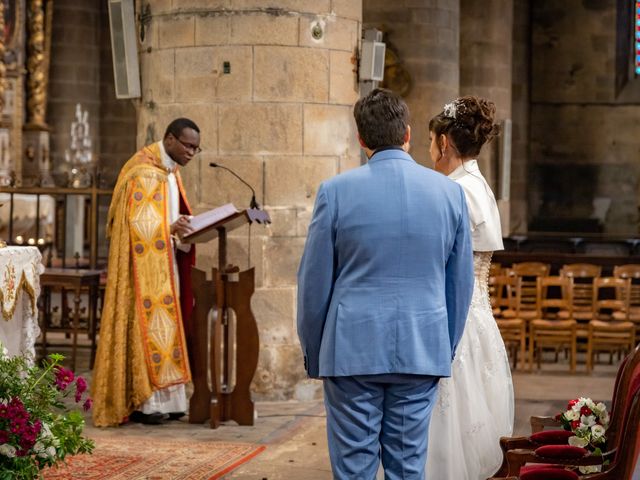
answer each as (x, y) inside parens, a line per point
(4, 436)
(572, 403)
(81, 385)
(63, 378)
(575, 424)
(87, 404)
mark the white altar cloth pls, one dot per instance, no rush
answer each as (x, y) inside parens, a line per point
(20, 269)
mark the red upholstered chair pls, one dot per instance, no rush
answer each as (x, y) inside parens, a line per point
(627, 381)
(624, 457)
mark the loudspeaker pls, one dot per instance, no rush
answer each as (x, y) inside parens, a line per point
(372, 61)
(124, 48)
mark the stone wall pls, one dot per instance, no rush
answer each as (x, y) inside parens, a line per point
(74, 71)
(425, 35)
(580, 128)
(279, 114)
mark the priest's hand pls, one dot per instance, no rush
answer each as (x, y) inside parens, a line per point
(182, 226)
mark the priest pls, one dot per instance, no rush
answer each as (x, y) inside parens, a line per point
(142, 363)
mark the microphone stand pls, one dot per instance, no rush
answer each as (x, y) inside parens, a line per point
(254, 203)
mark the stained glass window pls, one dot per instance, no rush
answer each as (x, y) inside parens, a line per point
(636, 43)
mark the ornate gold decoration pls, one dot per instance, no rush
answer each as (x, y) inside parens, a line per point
(396, 77)
(37, 64)
(3, 67)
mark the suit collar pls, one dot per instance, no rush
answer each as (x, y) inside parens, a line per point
(390, 154)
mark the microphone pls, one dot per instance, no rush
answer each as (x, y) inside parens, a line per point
(253, 203)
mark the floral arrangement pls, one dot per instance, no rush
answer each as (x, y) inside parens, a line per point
(38, 428)
(588, 421)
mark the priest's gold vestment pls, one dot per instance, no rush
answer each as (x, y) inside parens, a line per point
(142, 344)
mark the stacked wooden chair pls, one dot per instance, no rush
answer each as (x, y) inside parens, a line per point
(588, 313)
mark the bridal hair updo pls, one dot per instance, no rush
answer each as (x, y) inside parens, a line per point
(468, 122)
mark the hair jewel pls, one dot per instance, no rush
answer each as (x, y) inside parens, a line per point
(450, 110)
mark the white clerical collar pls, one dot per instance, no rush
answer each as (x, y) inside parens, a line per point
(467, 167)
(167, 161)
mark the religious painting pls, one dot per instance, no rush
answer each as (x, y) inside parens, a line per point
(13, 10)
(10, 22)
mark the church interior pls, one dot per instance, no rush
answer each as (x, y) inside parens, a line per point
(272, 84)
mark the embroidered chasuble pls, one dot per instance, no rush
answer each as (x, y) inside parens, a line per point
(142, 346)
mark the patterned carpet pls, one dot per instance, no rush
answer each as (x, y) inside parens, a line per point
(137, 458)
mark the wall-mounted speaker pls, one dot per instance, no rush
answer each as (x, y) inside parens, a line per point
(124, 48)
(372, 61)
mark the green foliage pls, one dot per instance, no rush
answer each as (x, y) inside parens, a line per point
(40, 425)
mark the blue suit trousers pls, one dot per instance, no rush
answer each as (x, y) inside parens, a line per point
(379, 417)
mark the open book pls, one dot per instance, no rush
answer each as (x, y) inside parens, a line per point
(205, 226)
(211, 217)
(207, 221)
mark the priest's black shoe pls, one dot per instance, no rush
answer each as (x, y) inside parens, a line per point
(176, 415)
(147, 419)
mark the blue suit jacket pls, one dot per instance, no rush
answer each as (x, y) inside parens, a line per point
(386, 277)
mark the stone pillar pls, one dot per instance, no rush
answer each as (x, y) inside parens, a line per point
(486, 30)
(272, 90)
(425, 36)
(520, 113)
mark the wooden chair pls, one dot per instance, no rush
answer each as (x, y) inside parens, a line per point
(505, 292)
(495, 270)
(554, 326)
(72, 321)
(605, 331)
(528, 272)
(622, 435)
(583, 275)
(632, 272)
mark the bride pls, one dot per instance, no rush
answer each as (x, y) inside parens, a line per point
(475, 405)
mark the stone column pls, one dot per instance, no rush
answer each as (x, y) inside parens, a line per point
(486, 30)
(272, 90)
(520, 113)
(425, 36)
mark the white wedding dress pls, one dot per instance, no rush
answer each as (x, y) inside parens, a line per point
(475, 406)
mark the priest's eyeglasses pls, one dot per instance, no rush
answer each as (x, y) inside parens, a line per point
(195, 149)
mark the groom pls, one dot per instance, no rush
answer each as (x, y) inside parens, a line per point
(384, 286)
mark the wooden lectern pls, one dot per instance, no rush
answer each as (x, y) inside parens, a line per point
(217, 350)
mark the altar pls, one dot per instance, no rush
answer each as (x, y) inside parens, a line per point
(20, 269)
